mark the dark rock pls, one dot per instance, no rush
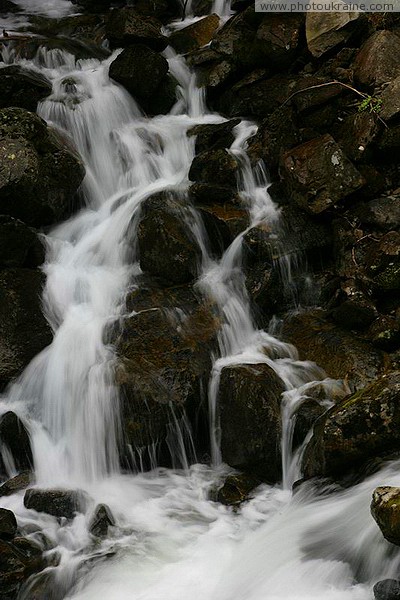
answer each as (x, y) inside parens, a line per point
(19, 244)
(162, 10)
(101, 520)
(24, 331)
(38, 174)
(385, 332)
(208, 193)
(214, 166)
(385, 508)
(378, 60)
(26, 47)
(12, 568)
(389, 143)
(8, 524)
(357, 312)
(214, 137)
(237, 489)
(278, 39)
(22, 87)
(325, 31)
(59, 503)
(223, 224)
(14, 438)
(310, 92)
(357, 134)
(302, 233)
(249, 400)
(196, 35)
(390, 108)
(167, 246)
(125, 27)
(388, 589)
(383, 262)
(381, 213)
(362, 426)
(306, 415)
(6, 6)
(318, 175)
(16, 484)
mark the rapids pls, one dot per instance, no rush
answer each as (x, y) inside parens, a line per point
(171, 542)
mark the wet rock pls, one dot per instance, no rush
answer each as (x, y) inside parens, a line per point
(318, 174)
(215, 74)
(381, 213)
(16, 484)
(196, 35)
(39, 174)
(306, 415)
(6, 6)
(143, 72)
(325, 31)
(364, 425)
(357, 134)
(22, 87)
(385, 508)
(249, 400)
(223, 224)
(389, 143)
(208, 193)
(125, 27)
(101, 520)
(56, 502)
(357, 312)
(236, 489)
(162, 10)
(24, 331)
(19, 244)
(383, 262)
(278, 39)
(14, 443)
(86, 29)
(378, 60)
(341, 355)
(385, 332)
(214, 137)
(214, 166)
(388, 589)
(8, 524)
(167, 246)
(302, 233)
(235, 40)
(12, 568)
(390, 108)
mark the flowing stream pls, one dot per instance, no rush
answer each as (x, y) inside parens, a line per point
(170, 541)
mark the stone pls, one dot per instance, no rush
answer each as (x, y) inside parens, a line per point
(390, 108)
(14, 438)
(278, 39)
(24, 331)
(383, 263)
(217, 136)
(101, 520)
(56, 502)
(214, 166)
(385, 508)
(167, 247)
(236, 489)
(357, 135)
(318, 174)
(194, 36)
(306, 415)
(8, 524)
(223, 224)
(355, 313)
(22, 87)
(249, 404)
(209, 193)
(16, 484)
(388, 589)
(162, 10)
(381, 213)
(363, 426)
(19, 244)
(125, 27)
(378, 60)
(385, 332)
(325, 31)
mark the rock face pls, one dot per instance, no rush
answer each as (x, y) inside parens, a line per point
(22, 87)
(15, 440)
(59, 503)
(362, 426)
(378, 60)
(125, 27)
(38, 174)
(196, 35)
(385, 508)
(249, 401)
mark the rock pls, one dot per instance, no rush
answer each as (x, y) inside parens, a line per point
(218, 136)
(389, 143)
(214, 166)
(378, 60)
(385, 508)
(6, 6)
(167, 246)
(24, 331)
(162, 10)
(278, 39)
(19, 244)
(235, 40)
(196, 35)
(357, 134)
(388, 589)
(318, 175)
(101, 520)
(300, 233)
(390, 108)
(8, 524)
(12, 568)
(385, 333)
(356, 312)
(22, 87)
(14, 438)
(125, 27)
(16, 484)
(383, 263)
(236, 489)
(223, 224)
(341, 355)
(325, 31)
(381, 213)
(249, 403)
(209, 193)
(306, 415)
(38, 173)
(364, 425)
(56, 502)
(143, 72)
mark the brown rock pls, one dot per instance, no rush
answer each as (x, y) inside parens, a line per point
(325, 31)
(385, 508)
(378, 60)
(125, 27)
(196, 35)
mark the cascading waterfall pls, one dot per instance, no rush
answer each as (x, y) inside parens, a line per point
(170, 539)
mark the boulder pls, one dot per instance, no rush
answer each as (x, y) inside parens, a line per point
(20, 245)
(214, 166)
(306, 415)
(223, 224)
(380, 213)
(15, 440)
(363, 426)
(39, 174)
(126, 26)
(325, 31)
(167, 246)
(383, 263)
(196, 35)
(16, 484)
(390, 108)
(162, 10)
(208, 193)
(385, 508)
(385, 332)
(236, 489)
(355, 313)
(22, 87)
(318, 174)
(101, 520)
(8, 524)
(249, 404)
(388, 589)
(378, 60)
(18, 561)
(56, 502)
(218, 136)
(24, 331)
(278, 39)
(357, 135)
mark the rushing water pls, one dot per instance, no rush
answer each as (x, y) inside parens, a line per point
(170, 541)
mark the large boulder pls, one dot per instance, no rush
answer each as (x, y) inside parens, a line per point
(217, 136)
(249, 403)
(22, 87)
(378, 60)
(196, 35)
(383, 263)
(56, 502)
(380, 213)
(16, 484)
(24, 331)
(125, 27)
(19, 244)
(215, 166)
(387, 589)
(19, 559)
(101, 520)
(361, 427)
(385, 508)
(15, 444)
(318, 174)
(390, 108)
(39, 174)
(167, 246)
(325, 31)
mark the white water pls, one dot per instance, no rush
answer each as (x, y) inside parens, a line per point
(170, 541)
